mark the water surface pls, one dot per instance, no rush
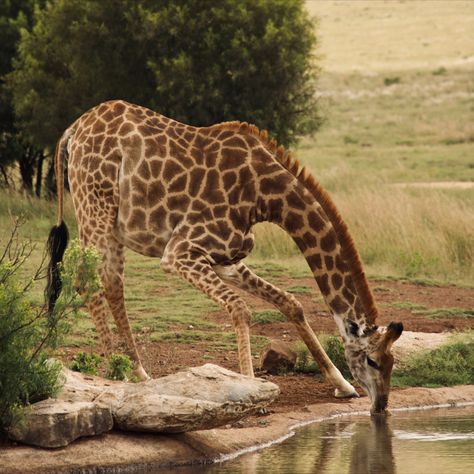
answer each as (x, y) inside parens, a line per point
(417, 442)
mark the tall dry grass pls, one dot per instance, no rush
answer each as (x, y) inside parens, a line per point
(399, 232)
(424, 233)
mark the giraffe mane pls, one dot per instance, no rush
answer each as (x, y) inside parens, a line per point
(349, 251)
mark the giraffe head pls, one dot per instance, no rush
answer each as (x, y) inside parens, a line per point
(368, 354)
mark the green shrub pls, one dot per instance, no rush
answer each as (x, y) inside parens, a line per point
(86, 363)
(334, 349)
(120, 367)
(28, 335)
(441, 71)
(451, 364)
(389, 81)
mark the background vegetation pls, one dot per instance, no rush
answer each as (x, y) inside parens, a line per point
(198, 61)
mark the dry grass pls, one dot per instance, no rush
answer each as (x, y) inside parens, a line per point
(385, 35)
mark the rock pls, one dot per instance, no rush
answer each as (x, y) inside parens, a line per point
(277, 357)
(195, 399)
(55, 423)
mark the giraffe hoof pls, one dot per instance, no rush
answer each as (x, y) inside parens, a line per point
(346, 394)
(140, 374)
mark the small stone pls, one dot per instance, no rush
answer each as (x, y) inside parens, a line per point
(278, 357)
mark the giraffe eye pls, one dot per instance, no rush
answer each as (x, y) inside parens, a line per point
(372, 363)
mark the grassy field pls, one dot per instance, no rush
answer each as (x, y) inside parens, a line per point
(397, 90)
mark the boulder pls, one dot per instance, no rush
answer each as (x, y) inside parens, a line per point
(55, 423)
(277, 357)
(195, 399)
(198, 398)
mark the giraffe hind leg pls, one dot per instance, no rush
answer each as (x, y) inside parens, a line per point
(111, 274)
(97, 309)
(242, 277)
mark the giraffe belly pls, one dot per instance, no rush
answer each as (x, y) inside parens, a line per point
(148, 242)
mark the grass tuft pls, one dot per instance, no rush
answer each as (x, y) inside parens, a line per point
(268, 317)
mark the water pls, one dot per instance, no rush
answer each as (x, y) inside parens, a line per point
(420, 442)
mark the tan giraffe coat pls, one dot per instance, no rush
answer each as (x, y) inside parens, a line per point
(191, 196)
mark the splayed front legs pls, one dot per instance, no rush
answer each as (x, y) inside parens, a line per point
(244, 278)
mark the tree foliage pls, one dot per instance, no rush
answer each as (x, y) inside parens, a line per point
(198, 61)
(14, 146)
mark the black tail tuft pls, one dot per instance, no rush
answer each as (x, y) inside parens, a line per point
(57, 243)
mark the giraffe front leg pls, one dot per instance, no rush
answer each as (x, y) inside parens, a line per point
(240, 315)
(194, 267)
(241, 276)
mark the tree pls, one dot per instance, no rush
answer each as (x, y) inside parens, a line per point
(14, 147)
(198, 61)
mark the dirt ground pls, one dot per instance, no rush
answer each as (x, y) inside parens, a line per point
(300, 393)
(299, 390)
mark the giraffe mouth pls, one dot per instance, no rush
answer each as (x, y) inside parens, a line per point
(379, 407)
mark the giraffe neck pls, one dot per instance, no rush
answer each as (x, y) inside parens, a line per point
(316, 236)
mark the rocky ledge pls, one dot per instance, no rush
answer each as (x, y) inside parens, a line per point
(198, 398)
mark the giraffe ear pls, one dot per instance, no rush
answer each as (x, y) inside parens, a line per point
(394, 331)
(352, 328)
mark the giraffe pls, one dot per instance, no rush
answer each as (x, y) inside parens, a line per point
(191, 195)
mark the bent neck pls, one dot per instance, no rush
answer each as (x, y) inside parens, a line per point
(316, 236)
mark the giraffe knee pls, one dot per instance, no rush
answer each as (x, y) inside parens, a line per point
(239, 313)
(294, 310)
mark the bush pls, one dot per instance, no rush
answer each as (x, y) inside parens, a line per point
(120, 367)
(28, 334)
(86, 363)
(389, 81)
(200, 62)
(334, 349)
(451, 364)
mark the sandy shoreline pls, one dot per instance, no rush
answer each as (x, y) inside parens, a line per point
(120, 452)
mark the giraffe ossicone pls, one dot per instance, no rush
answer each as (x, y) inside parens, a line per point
(191, 196)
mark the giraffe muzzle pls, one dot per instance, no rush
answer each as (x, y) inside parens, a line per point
(379, 406)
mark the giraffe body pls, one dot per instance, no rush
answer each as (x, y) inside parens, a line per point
(191, 196)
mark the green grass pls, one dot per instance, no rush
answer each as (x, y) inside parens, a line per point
(299, 289)
(408, 305)
(215, 341)
(446, 312)
(268, 316)
(451, 364)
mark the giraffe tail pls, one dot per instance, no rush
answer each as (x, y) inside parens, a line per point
(59, 234)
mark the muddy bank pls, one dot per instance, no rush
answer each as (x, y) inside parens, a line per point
(120, 452)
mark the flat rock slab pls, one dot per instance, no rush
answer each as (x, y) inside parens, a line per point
(198, 398)
(55, 423)
(195, 399)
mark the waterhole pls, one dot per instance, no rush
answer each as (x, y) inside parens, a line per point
(419, 442)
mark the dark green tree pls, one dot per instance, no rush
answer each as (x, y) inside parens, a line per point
(14, 146)
(199, 61)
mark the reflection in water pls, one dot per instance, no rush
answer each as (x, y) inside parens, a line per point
(371, 451)
(365, 445)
